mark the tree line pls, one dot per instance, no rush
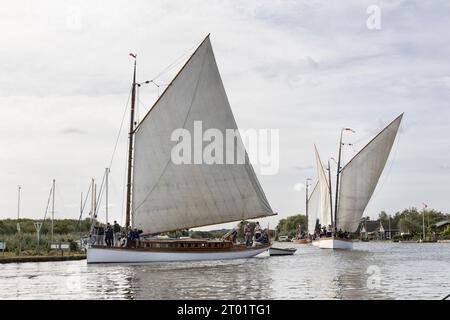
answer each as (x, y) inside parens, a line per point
(408, 221)
(60, 226)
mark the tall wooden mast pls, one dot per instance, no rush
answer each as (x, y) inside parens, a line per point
(331, 194)
(337, 181)
(130, 146)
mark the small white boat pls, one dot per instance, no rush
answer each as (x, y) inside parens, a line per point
(334, 243)
(282, 251)
(283, 239)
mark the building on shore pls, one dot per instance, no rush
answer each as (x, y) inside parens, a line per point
(377, 230)
(441, 226)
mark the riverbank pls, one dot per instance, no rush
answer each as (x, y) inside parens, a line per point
(22, 259)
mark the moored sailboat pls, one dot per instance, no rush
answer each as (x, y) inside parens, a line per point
(165, 196)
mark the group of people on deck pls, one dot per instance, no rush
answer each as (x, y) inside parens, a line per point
(255, 236)
(327, 231)
(251, 237)
(108, 235)
(115, 235)
(322, 231)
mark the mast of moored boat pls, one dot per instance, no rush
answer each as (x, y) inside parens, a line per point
(106, 193)
(337, 182)
(130, 146)
(338, 173)
(92, 214)
(307, 202)
(80, 222)
(53, 208)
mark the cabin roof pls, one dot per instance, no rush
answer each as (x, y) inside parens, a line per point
(442, 223)
(374, 225)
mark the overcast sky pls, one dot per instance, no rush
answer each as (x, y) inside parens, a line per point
(306, 68)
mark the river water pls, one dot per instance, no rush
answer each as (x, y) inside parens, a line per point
(369, 271)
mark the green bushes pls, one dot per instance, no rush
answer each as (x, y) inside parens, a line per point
(288, 226)
(64, 226)
(446, 233)
(27, 242)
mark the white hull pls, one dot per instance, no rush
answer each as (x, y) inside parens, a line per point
(315, 243)
(281, 251)
(330, 243)
(111, 255)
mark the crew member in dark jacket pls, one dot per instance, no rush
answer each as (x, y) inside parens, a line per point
(116, 229)
(109, 235)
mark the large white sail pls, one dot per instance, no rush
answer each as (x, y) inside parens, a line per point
(168, 196)
(324, 213)
(360, 177)
(313, 206)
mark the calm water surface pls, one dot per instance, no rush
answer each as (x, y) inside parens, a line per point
(370, 271)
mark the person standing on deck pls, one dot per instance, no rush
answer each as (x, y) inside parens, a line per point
(109, 235)
(329, 231)
(248, 235)
(100, 236)
(130, 237)
(257, 231)
(136, 237)
(116, 229)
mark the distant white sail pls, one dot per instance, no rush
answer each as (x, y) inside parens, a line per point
(313, 206)
(324, 213)
(360, 177)
(167, 196)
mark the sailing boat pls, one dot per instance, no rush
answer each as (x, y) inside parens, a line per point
(320, 201)
(163, 196)
(356, 182)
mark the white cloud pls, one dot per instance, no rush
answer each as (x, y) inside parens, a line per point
(299, 187)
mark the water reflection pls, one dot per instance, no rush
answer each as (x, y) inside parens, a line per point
(371, 271)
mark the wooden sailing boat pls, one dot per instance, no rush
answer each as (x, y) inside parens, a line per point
(356, 182)
(319, 202)
(163, 196)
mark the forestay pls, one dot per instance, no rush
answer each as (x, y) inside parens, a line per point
(167, 196)
(360, 177)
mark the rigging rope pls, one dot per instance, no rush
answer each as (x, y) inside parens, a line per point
(84, 204)
(176, 61)
(120, 130)
(48, 203)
